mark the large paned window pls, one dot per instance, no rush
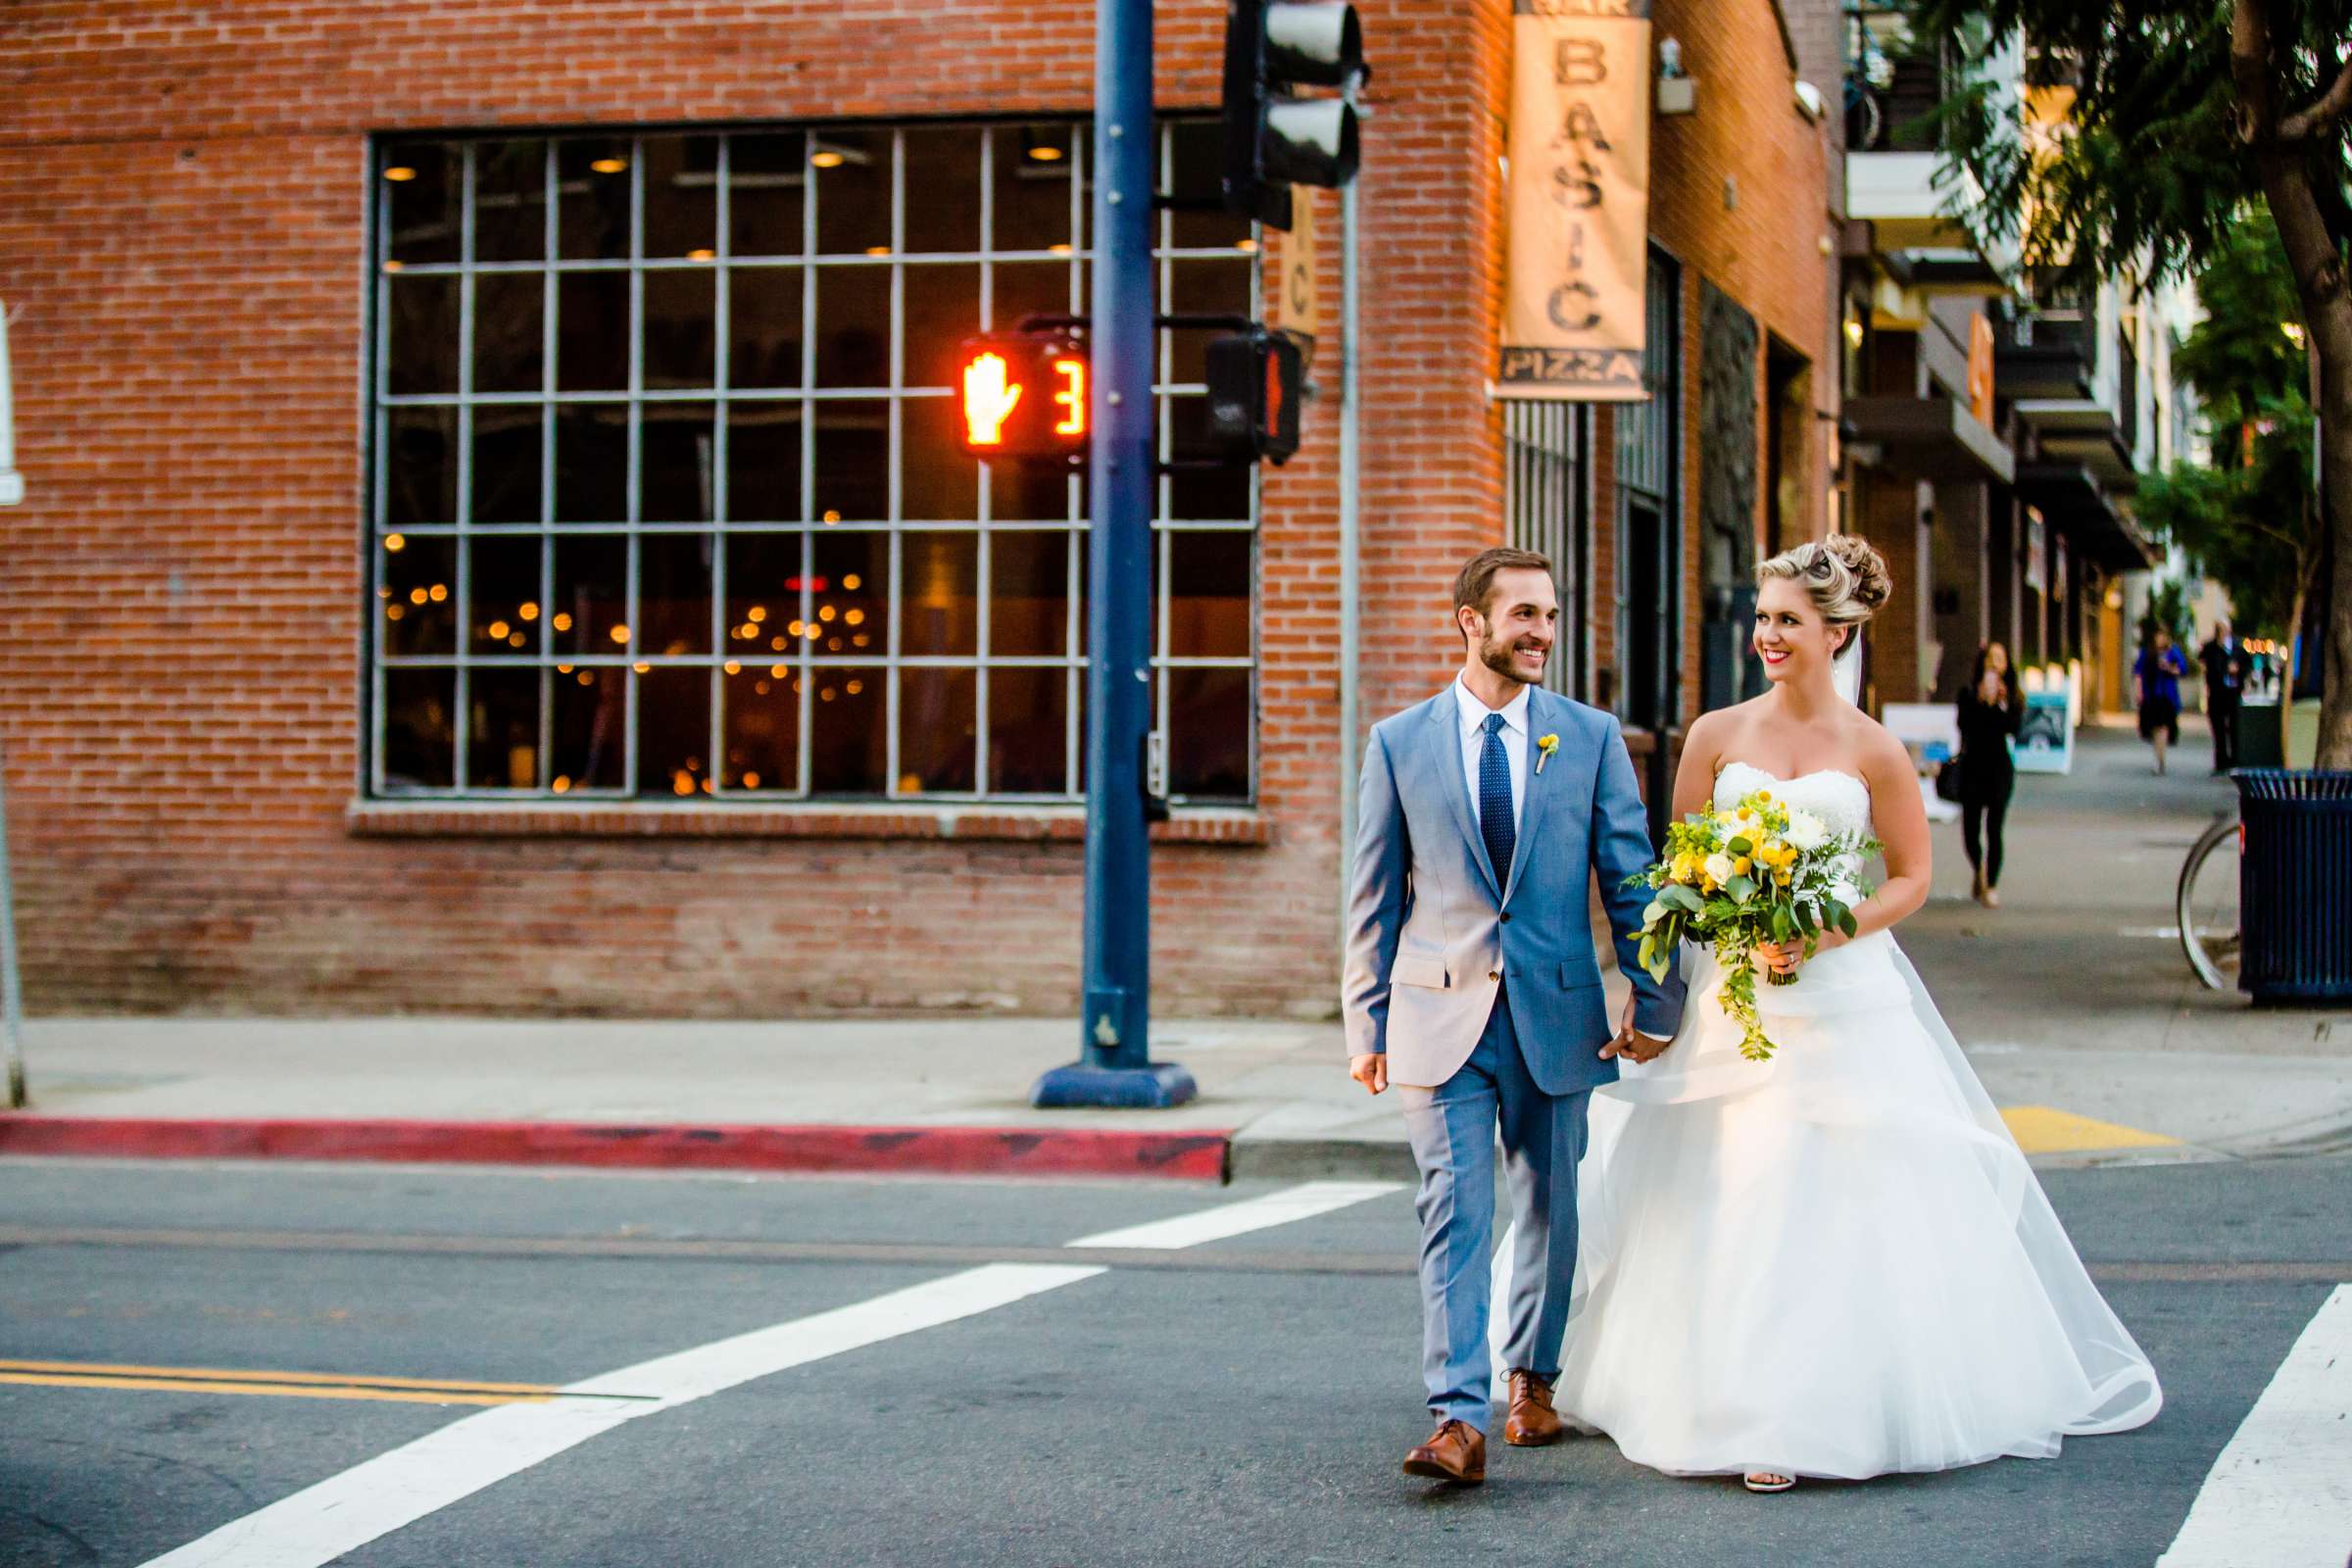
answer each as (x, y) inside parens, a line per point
(666, 500)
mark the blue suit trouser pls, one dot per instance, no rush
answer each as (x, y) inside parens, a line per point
(1452, 1130)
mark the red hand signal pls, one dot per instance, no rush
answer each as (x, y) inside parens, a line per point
(989, 400)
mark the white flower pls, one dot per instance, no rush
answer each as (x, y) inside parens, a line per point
(1720, 868)
(1806, 832)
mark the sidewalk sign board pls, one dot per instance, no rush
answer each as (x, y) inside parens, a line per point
(1931, 733)
(2045, 741)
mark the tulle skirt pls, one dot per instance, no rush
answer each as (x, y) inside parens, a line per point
(1835, 1264)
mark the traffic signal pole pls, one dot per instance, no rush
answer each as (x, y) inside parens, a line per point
(1114, 1067)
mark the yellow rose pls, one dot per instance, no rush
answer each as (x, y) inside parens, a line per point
(1743, 866)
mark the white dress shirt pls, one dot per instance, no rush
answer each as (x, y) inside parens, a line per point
(1473, 728)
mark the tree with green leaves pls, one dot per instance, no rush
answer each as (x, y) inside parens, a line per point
(2184, 113)
(2247, 519)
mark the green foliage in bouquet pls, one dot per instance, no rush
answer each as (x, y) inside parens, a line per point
(1759, 872)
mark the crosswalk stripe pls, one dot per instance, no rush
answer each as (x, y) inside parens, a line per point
(2281, 1494)
(373, 1498)
(1304, 1202)
(346, 1511)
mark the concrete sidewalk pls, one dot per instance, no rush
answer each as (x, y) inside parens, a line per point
(2080, 1016)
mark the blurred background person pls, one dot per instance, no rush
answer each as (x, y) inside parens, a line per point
(2156, 689)
(2226, 666)
(1991, 708)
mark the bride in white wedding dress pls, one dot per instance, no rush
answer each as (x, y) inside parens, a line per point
(1835, 1262)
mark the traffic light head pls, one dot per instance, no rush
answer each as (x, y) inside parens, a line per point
(1272, 140)
(1023, 396)
(1256, 381)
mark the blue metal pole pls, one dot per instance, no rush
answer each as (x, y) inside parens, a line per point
(1114, 1067)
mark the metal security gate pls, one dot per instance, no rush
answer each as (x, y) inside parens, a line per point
(1547, 510)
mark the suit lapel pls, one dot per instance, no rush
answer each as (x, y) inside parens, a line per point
(1445, 715)
(1540, 723)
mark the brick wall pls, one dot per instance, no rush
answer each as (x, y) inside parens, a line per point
(1759, 239)
(181, 202)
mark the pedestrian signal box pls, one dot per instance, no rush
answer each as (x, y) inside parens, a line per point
(1023, 396)
(1256, 381)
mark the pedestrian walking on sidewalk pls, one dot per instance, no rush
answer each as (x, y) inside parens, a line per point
(2226, 666)
(2156, 687)
(1991, 709)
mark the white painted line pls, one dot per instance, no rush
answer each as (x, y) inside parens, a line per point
(2281, 1494)
(1304, 1202)
(345, 1512)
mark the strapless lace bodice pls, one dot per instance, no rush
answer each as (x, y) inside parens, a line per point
(1841, 800)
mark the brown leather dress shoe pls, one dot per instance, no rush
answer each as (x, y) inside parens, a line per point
(1532, 1422)
(1455, 1452)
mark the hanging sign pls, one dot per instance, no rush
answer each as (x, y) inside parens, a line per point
(1578, 250)
(1302, 306)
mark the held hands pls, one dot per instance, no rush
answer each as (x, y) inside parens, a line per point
(1371, 1069)
(1629, 1044)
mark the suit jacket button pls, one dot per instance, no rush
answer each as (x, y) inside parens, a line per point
(1494, 974)
(1506, 917)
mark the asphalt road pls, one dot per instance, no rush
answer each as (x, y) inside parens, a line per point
(1242, 1400)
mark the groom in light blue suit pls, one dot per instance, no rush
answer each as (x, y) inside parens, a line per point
(1471, 984)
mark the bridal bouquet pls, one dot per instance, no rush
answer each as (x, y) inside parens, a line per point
(1758, 873)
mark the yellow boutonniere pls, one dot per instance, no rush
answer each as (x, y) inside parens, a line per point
(1545, 745)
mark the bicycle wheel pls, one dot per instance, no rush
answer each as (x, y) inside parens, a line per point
(2206, 905)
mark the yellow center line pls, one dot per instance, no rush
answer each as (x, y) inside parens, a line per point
(250, 1374)
(296, 1391)
(288, 1385)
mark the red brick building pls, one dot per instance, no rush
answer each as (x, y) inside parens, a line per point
(492, 543)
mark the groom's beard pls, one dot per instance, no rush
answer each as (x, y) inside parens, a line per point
(1495, 654)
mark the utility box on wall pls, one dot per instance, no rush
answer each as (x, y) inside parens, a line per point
(12, 483)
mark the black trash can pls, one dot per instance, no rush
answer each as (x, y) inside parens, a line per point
(2294, 891)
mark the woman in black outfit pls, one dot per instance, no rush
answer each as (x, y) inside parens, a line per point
(1990, 711)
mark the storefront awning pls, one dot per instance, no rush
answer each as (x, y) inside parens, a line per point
(2071, 498)
(2080, 430)
(1933, 438)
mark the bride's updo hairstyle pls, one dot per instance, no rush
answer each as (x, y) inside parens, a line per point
(1846, 578)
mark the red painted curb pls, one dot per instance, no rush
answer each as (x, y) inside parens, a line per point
(903, 1150)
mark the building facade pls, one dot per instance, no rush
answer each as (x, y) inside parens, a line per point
(1998, 424)
(494, 541)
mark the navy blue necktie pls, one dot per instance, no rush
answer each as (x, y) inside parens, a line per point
(1494, 822)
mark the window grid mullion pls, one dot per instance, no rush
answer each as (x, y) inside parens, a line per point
(461, 718)
(805, 685)
(895, 437)
(548, 237)
(984, 498)
(1077, 503)
(721, 498)
(633, 484)
(379, 382)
